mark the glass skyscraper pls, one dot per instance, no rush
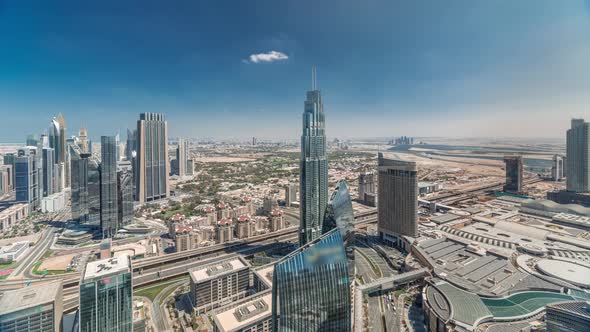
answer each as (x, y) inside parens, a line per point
(106, 296)
(578, 157)
(152, 158)
(85, 196)
(48, 172)
(313, 168)
(311, 288)
(109, 211)
(339, 215)
(27, 177)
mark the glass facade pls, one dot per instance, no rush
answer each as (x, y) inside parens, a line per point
(38, 318)
(313, 175)
(109, 211)
(27, 177)
(152, 157)
(311, 288)
(339, 215)
(125, 197)
(85, 195)
(106, 304)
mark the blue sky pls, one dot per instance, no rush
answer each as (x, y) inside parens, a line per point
(423, 68)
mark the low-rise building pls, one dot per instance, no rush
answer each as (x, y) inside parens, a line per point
(38, 307)
(218, 284)
(225, 231)
(12, 215)
(13, 252)
(54, 202)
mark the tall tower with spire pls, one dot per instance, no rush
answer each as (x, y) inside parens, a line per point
(313, 167)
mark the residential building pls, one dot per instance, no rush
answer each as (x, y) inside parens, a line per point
(557, 170)
(27, 177)
(397, 199)
(182, 156)
(109, 209)
(35, 308)
(578, 156)
(290, 194)
(6, 178)
(219, 283)
(225, 231)
(252, 314)
(313, 168)
(12, 215)
(366, 185)
(311, 288)
(106, 296)
(277, 222)
(153, 168)
(514, 174)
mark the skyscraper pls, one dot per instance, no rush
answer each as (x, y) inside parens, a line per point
(557, 170)
(62, 138)
(55, 139)
(311, 288)
(313, 167)
(339, 215)
(182, 156)
(578, 157)
(83, 143)
(124, 197)
(10, 159)
(398, 199)
(514, 174)
(152, 157)
(85, 195)
(27, 177)
(108, 187)
(106, 296)
(48, 172)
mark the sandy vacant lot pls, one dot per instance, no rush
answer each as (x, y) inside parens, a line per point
(56, 262)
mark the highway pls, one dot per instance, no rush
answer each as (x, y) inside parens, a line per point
(452, 197)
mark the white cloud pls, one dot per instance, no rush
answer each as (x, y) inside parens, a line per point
(267, 57)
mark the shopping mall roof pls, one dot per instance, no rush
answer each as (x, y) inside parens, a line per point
(573, 273)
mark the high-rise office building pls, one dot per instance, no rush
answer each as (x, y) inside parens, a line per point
(131, 154)
(85, 194)
(366, 184)
(182, 156)
(124, 197)
(55, 139)
(62, 138)
(10, 159)
(109, 211)
(578, 157)
(398, 199)
(106, 296)
(48, 172)
(570, 316)
(311, 287)
(35, 308)
(152, 157)
(514, 174)
(339, 215)
(27, 177)
(32, 140)
(6, 184)
(313, 167)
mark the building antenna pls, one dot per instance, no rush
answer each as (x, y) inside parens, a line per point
(313, 78)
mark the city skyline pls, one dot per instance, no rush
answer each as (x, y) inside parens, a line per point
(459, 75)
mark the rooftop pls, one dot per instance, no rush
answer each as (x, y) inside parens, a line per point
(240, 315)
(573, 273)
(27, 297)
(265, 274)
(218, 269)
(107, 267)
(580, 308)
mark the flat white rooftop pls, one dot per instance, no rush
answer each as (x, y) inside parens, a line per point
(30, 296)
(107, 267)
(265, 274)
(218, 269)
(241, 315)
